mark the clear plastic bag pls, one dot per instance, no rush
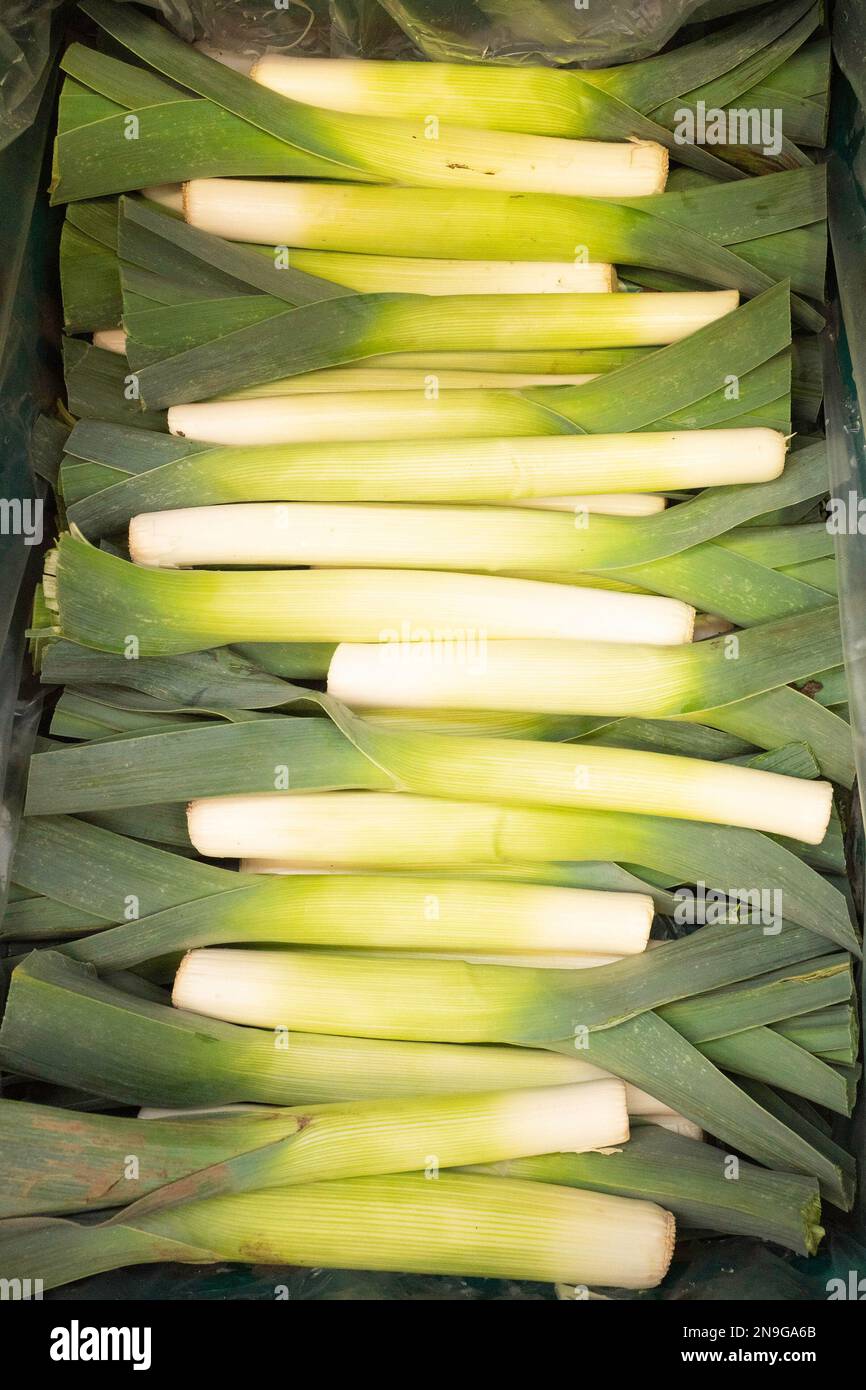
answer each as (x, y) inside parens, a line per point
(26, 50)
(542, 31)
(250, 26)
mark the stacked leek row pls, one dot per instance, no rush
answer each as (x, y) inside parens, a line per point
(440, 601)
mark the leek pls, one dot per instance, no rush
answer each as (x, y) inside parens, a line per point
(213, 1063)
(163, 612)
(395, 536)
(557, 677)
(402, 913)
(116, 1040)
(440, 223)
(459, 1224)
(54, 1165)
(450, 1001)
(356, 754)
(454, 470)
(549, 100)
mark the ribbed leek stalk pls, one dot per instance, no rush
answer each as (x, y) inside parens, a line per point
(623, 779)
(410, 999)
(165, 611)
(451, 1001)
(216, 1063)
(56, 1162)
(382, 537)
(459, 1224)
(556, 677)
(478, 224)
(390, 913)
(543, 100)
(457, 413)
(423, 275)
(429, 470)
(549, 774)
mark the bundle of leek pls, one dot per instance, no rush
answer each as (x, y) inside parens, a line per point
(308, 139)
(556, 102)
(713, 228)
(266, 1148)
(278, 1148)
(114, 1043)
(225, 296)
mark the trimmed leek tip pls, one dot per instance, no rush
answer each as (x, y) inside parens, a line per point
(330, 830)
(110, 340)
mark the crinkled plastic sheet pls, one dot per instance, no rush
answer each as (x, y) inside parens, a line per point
(26, 50)
(586, 32)
(559, 32)
(250, 26)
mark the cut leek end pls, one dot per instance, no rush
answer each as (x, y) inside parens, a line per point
(110, 340)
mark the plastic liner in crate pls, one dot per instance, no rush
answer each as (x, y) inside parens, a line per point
(460, 30)
(555, 31)
(30, 379)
